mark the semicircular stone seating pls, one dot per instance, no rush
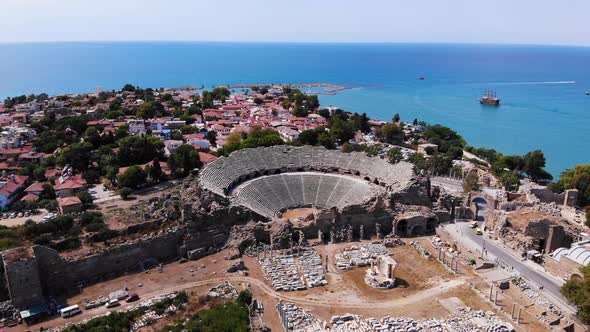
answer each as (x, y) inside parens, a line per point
(273, 194)
(224, 175)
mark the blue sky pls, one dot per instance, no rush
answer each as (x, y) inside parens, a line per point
(467, 21)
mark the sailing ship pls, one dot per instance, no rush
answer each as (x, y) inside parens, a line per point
(489, 98)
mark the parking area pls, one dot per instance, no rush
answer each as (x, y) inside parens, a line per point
(101, 194)
(12, 219)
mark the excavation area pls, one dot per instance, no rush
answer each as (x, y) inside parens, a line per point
(333, 293)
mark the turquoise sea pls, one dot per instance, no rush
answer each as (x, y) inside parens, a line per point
(542, 88)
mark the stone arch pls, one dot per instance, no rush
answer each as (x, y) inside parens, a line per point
(480, 199)
(401, 228)
(417, 230)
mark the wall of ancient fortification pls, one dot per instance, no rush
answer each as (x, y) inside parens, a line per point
(59, 276)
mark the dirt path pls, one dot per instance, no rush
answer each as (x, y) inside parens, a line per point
(432, 292)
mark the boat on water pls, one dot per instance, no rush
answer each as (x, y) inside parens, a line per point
(421, 78)
(489, 98)
(587, 93)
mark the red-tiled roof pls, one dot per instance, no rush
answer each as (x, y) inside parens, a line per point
(37, 186)
(30, 198)
(16, 151)
(98, 123)
(52, 173)
(13, 183)
(206, 157)
(71, 182)
(67, 201)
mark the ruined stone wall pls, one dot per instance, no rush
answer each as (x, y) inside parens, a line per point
(547, 196)
(538, 229)
(417, 193)
(59, 276)
(24, 285)
(565, 268)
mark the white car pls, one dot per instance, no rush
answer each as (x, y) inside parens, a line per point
(112, 303)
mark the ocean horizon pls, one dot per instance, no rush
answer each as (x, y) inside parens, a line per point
(542, 88)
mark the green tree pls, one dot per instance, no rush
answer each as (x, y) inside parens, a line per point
(396, 118)
(184, 159)
(509, 181)
(47, 192)
(326, 140)
(444, 137)
(86, 199)
(245, 297)
(577, 178)
(310, 136)
(76, 155)
(122, 132)
(134, 177)
(135, 150)
(394, 156)
(125, 192)
(155, 171)
(471, 182)
(128, 88)
(212, 137)
(149, 110)
(578, 292)
(115, 114)
(392, 134)
(534, 162)
(92, 136)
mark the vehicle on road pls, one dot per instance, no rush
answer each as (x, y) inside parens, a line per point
(112, 303)
(132, 298)
(70, 311)
(473, 224)
(478, 231)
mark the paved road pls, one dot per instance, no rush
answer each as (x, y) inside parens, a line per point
(467, 238)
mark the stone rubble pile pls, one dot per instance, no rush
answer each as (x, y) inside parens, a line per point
(421, 249)
(392, 241)
(224, 291)
(8, 311)
(536, 297)
(150, 317)
(294, 272)
(548, 208)
(282, 272)
(313, 270)
(294, 318)
(363, 255)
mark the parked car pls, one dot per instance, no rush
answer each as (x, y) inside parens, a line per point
(132, 298)
(20, 214)
(112, 303)
(13, 215)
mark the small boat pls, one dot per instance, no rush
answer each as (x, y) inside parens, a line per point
(489, 98)
(421, 78)
(587, 93)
